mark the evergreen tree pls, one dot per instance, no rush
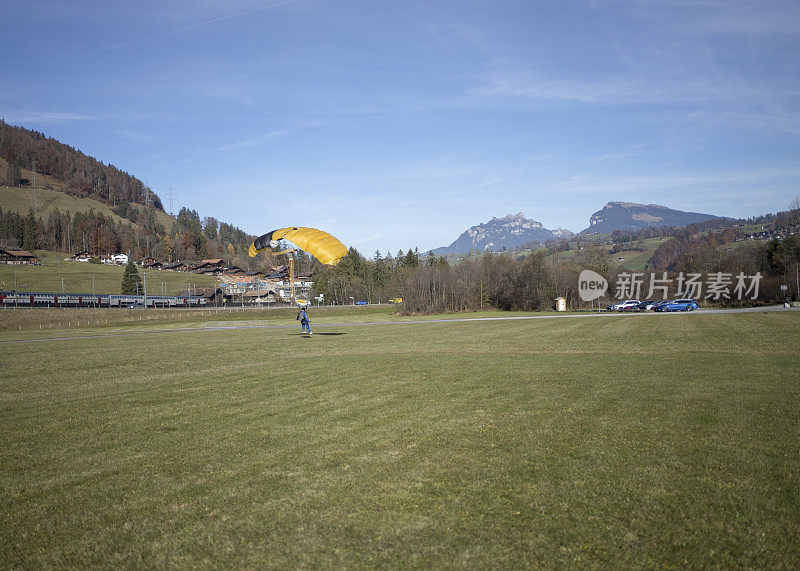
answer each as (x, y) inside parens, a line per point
(411, 259)
(131, 281)
(13, 173)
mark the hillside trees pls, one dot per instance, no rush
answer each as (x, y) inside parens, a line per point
(80, 175)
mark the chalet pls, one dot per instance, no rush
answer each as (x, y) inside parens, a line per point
(211, 267)
(213, 295)
(233, 271)
(16, 257)
(176, 267)
(278, 273)
(83, 256)
(121, 260)
(150, 263)
(259, 298)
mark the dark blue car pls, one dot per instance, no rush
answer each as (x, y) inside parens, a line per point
(678, 305)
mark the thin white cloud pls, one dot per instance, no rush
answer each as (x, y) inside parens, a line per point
(770, 121)
(372, 238)
(43, 117)
(137, 137)
(256, 142)
(185, 29)
(621, 90)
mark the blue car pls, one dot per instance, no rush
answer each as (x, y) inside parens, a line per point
(679, 305)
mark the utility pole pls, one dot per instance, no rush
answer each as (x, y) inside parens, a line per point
(16, 294)
(171, 198)
(145, 289)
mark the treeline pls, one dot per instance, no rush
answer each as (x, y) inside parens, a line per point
(372, 281)
(81, 175)
(428, 284)
(140, 235)
(691, 251)
(83, 231)
(188, 239)
(193, 239)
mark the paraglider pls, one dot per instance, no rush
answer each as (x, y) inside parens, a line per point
(324, 247)
(321, 245)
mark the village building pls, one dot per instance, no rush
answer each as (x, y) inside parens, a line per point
(150, 263)
(17, 257)
(209, 267)
(82, 256)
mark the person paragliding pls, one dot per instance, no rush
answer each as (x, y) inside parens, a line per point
(305, 320)
(324, 247)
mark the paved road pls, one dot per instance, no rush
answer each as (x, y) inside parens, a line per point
(600, 315)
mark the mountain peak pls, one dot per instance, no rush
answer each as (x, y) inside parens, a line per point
(517, 216)
(510, 231)
(620, 215)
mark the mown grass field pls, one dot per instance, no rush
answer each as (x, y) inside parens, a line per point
(603, 441)
(77, 277)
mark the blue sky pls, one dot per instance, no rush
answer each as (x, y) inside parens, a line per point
(394, 123)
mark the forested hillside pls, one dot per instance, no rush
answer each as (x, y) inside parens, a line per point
(71, 170)
(123, 214)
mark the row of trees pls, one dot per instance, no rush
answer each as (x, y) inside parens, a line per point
(533, 282)
(428, 284)
(64, 232)
(188, 239)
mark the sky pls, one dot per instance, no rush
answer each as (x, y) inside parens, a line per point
(400, 123)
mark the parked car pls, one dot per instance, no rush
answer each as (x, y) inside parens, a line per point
(679, 305)
(362, 302)
(658, 304)
(396, 300)
(646, 305)
(623, 305)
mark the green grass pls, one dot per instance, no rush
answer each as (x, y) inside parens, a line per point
(78, 276)
(601, 441)
(634, 260)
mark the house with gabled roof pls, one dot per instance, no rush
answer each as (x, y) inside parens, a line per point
(16, 257)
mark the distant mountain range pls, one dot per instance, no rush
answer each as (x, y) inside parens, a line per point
(514, 230)
(632, 216)
(511, 231)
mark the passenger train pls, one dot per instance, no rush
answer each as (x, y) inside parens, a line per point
(41, 299)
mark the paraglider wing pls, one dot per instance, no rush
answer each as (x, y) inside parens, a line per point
(319, 244)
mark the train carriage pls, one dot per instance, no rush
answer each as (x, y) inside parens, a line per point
(53, 299)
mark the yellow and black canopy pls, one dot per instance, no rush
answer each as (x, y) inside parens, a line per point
(319, 244)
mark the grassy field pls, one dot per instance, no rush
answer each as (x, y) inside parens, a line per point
(634, 260)
(77, 277)
(602, 441)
